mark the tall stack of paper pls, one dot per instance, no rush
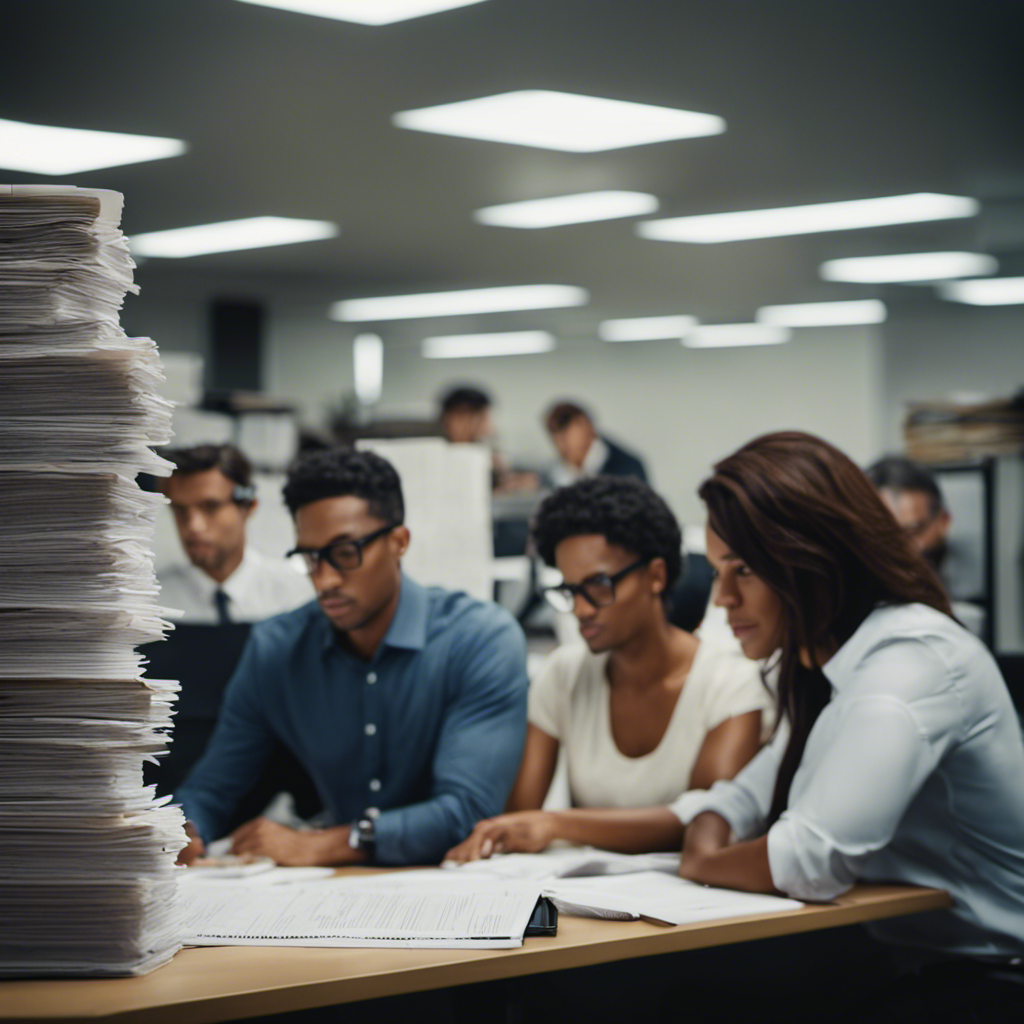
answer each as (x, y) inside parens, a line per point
(87, 877)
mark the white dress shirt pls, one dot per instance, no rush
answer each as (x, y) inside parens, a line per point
(259, 588)
(913, 773)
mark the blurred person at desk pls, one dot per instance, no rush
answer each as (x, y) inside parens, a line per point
(466, 419)
(642, 709)
(406, 704)
(915, 499)
(582, 451)
(212, 497)
(899, 757)
(219, 592)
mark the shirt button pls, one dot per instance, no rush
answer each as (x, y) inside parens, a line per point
(370, 729)
(375, 784)
(372, 678)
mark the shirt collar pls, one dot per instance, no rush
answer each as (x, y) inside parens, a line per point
(235, 586)
(596, 457)
(238, 585)
(839, 669)
(408, 628)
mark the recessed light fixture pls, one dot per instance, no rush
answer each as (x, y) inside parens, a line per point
(43, 149)
(996, 291)
(646, 328)
(806, 220)
(368, 367)
(365, 12)
(459, 303)
(229, 236)
(823, 314)
(467, 346)
(575, 209)
(560, 120)
(736, 335)
(909, 267)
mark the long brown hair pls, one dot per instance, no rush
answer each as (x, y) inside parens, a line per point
(808, 521)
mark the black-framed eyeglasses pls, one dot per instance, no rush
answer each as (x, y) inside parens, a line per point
(343, 555)
(598, 590)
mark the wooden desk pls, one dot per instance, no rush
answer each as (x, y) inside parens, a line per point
(219, 983)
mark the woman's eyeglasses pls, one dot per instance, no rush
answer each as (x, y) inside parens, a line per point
(598, 590)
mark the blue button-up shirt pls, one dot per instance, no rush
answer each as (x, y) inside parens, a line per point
(430, 730)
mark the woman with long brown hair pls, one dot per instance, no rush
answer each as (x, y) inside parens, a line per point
(899, 756)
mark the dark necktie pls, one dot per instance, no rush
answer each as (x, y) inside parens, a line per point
(220, 600)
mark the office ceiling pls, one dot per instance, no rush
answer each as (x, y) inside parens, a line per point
(289, 115)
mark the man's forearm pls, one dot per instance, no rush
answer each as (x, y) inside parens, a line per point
(329, 847)
(643, 830)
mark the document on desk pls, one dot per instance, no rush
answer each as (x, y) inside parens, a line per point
(490, 915)
(657, 896)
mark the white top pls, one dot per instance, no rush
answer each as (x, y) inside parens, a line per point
(260, 587)
(570, 700)
(562, 473)
(913, 773)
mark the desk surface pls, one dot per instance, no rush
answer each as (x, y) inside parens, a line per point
(224, 982)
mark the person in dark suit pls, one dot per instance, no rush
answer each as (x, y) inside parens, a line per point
(583, 451)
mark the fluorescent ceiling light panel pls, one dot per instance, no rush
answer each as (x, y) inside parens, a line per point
(368, 367)
(736, 335)
(42, 149)
(460, 303)
(560, 120)
(998, 291)
(230, 236)
(909, 267)
(574, 209)
(365, 12)
(807, 220)
(467, 346)
(823, 314)
(646, 328)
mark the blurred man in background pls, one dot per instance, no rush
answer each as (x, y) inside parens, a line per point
(224, 580)
(466, 419)
(915, 500)
(583, 451)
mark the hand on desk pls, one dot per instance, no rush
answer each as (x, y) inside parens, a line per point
(195, 847)
(290, 847)
(521, 832)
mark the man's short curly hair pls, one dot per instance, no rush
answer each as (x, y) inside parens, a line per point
(337, 473)
(621, 509)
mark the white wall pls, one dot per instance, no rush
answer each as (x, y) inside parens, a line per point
(680, 409)
(940, 349)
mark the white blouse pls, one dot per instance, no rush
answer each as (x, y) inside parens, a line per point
(913, 773)
(570, 700)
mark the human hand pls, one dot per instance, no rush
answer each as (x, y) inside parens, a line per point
(195, 849)
(262, 837)
(705, 835)
(521, 832)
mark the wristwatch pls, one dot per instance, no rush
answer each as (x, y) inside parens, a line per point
(362, 833)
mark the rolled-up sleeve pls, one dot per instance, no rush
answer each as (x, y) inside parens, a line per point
(853, 801)
(478, 751)
(744, 801)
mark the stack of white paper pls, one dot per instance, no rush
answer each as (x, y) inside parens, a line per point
(87, 878)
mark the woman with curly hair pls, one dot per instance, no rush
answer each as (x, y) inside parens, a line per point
(642, 709)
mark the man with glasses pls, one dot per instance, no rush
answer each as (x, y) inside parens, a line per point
(212, 499)
(406, 704)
